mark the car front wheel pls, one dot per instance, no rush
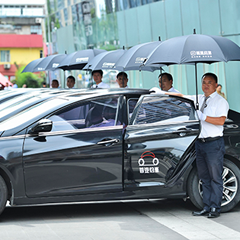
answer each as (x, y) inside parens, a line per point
(3, 194)
(231, 187)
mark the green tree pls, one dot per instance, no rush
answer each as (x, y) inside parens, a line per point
(30, 79)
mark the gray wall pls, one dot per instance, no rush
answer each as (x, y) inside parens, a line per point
(171, 18)
(167, 19)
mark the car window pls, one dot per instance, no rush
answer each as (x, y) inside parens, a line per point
(131, 103)
(164, 110)
(90, 114)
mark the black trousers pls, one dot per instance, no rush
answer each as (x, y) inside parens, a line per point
(209, 161)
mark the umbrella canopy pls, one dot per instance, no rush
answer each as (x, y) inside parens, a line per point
(49, 63)
(31, 65)
(135, 57)
(195, 48)
(105, 60)
(79, 59)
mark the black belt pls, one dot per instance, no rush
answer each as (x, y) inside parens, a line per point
(209, 139)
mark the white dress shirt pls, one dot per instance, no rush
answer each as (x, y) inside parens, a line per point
(172, 89)
(216, 106)
(159, 91)
(100, 85)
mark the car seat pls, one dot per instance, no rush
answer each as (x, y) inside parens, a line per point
(94, 116)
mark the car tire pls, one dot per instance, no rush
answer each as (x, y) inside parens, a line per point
(3, 194)
(231, 187)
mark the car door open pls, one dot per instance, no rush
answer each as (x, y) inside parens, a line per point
(161, 130)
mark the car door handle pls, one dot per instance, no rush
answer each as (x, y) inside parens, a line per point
(108, 142)
(183, 131)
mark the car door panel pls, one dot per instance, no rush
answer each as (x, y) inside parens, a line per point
(73, 162)
(156, 144)
(82, 153)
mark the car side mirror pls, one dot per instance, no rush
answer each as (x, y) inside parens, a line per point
(44, 125)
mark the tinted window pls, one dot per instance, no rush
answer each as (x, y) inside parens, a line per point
(90, 114)
(164, 109)
(131, 103)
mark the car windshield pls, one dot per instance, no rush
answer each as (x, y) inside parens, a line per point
(30, 113)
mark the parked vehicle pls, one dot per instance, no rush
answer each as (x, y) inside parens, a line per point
(109, 144)
(21, 102)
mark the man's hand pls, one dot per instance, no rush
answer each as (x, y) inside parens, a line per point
(156, 90)
(201, 115)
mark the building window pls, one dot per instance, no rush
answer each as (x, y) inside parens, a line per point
(5, 55)
(36, 29)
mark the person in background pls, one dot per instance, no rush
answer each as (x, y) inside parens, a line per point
(219, 91)
(14, 84)
(165, 83)
(44, 85)
(70, 81)
(97, 77)
(24, 86)
(55, 83)
(7, 87)
(122, 79)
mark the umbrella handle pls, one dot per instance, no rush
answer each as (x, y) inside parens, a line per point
(197, 104)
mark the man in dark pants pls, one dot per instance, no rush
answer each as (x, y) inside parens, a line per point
(210, 147)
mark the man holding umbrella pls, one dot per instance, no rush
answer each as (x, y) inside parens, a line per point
(165, 83)
(122, 79)
(97, 77)
(209, 146)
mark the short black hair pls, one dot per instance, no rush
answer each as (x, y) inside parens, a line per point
(219, 85)
(212, 75)
(71, 77)
(168, 75)
(122, 74)
(55, 80)
(97, 71)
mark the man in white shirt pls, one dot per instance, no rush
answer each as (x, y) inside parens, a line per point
(210, 148)
(165, 83)
(97, 77)
(122, 79)
(55, 83)
(70, 81)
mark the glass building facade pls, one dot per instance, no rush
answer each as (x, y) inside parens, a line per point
(112, 24)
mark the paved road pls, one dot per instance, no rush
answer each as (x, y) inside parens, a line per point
(158, 220)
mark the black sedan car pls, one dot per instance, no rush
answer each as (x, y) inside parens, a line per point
(109, 144)
(25, 100)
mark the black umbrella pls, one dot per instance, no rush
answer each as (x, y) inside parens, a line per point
(31, 65)
(193, 49)
(105, 60)
(77, 60)
(134, 58)
(47, 63)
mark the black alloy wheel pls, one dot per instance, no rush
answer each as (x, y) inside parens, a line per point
(231, 187)
(3, 194)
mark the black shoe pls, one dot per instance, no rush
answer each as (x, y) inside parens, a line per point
(214, 213)
(204, 212)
